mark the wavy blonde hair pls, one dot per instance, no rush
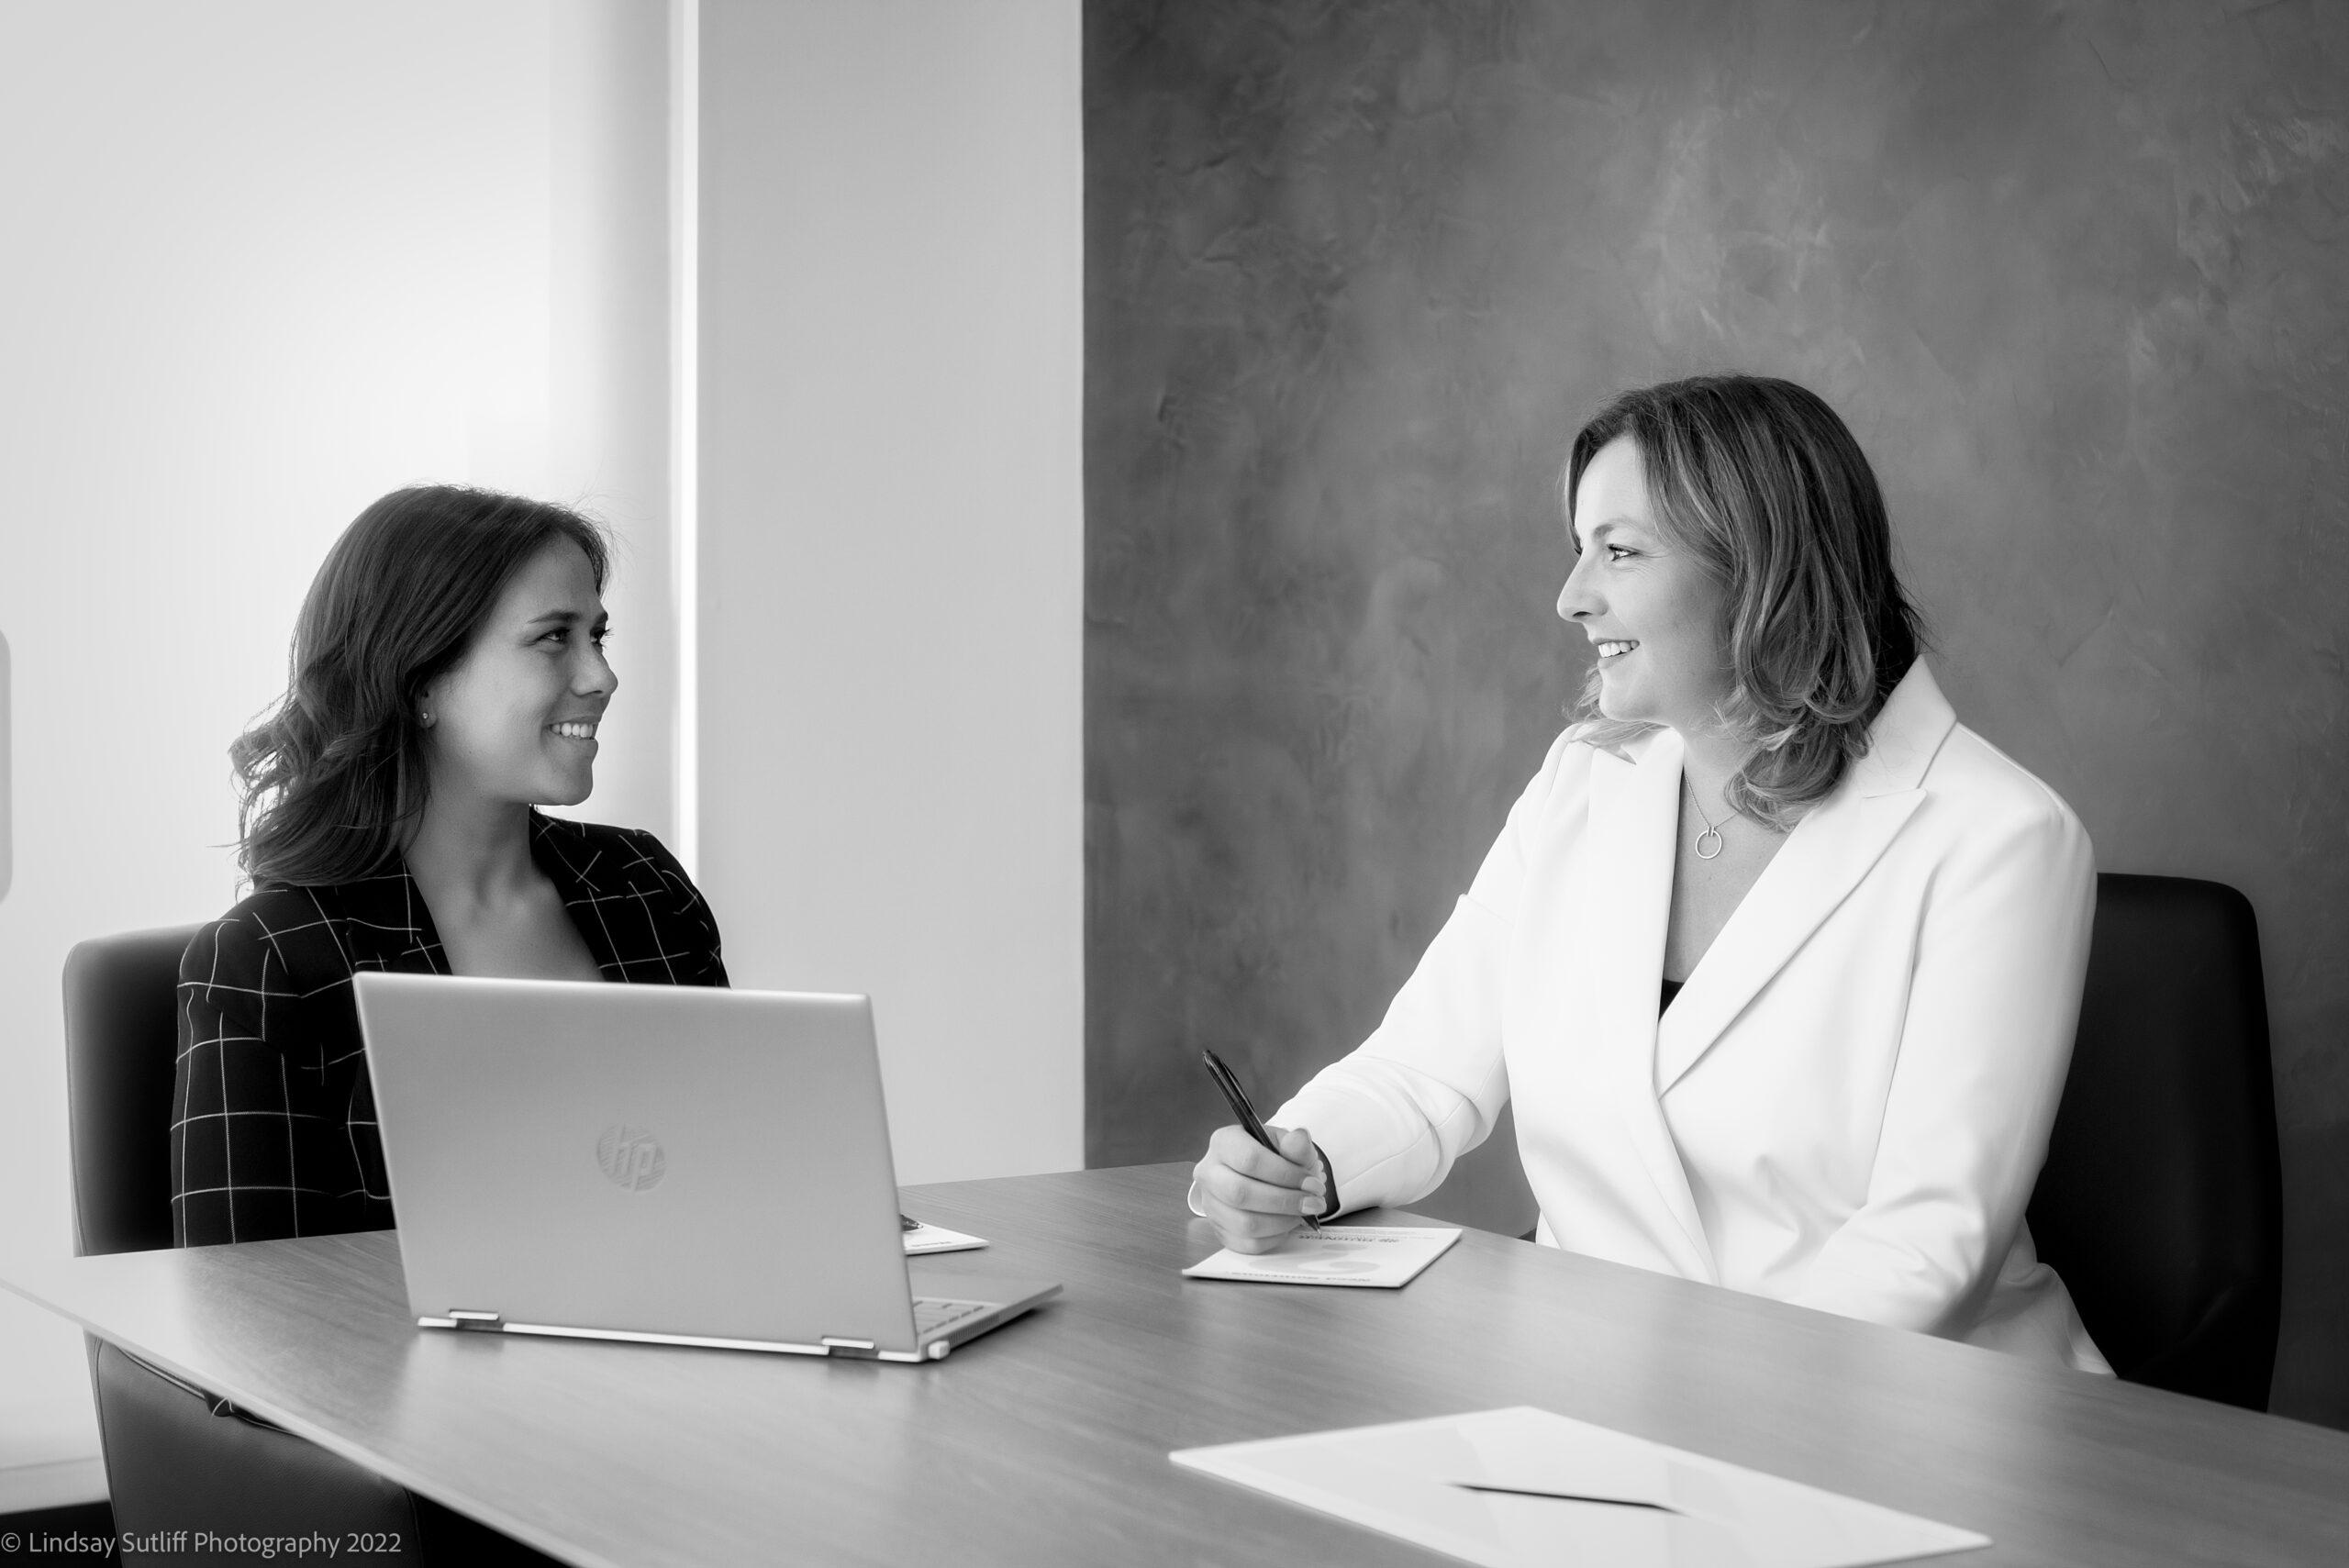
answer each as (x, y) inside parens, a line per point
(1761, 482)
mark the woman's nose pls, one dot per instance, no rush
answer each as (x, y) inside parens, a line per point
(596, 674)
(1575, 600)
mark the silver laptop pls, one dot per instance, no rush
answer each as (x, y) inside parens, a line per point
(674, 1164)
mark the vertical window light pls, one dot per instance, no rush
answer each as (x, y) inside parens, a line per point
(8, 860)
(684, 402)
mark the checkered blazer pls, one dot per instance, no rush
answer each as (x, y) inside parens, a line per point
(272, 1117)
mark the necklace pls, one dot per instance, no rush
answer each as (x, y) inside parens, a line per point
(1711, 832)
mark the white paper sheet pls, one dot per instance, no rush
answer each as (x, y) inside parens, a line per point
(1383, 1257)
(938, 1239)
(1399, 1479)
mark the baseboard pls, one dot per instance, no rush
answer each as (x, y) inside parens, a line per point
(60, 1484)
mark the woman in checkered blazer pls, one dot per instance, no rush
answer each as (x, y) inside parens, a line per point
(448, 675)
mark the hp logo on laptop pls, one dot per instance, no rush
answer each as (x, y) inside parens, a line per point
(631, 1157)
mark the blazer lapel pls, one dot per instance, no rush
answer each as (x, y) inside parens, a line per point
(1823, 860)
(1634, 815)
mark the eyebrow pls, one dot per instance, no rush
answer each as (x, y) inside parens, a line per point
(1599, 533)
(565, 617)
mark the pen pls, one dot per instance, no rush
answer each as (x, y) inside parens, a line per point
(1564, 1496)
(1237, 1097)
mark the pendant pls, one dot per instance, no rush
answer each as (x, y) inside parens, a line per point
(1715, 835)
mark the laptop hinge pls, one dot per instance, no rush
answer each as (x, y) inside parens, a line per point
(461, 1318)
(840, 1345)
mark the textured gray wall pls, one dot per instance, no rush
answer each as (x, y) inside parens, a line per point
(2077, 274)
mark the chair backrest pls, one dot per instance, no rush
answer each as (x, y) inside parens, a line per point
(2160, 1203)
(121, 1017)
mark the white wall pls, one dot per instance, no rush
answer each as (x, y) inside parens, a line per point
(890, 538)
(265, 259)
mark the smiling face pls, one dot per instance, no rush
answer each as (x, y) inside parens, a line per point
(1656, 614)
(514, 721)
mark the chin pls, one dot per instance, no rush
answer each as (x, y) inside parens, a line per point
(568, 793)
(1624, 712)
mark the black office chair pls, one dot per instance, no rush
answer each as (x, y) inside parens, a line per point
(121, 1015)
(2160, 1203)
(177, 1458)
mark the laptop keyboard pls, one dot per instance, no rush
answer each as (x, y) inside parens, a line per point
(935, 1314)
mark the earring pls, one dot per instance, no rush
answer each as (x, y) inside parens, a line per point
(427, 717)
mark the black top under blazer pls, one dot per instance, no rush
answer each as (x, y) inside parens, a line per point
(272, 1117)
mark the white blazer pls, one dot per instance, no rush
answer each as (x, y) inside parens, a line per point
(1848, 1103)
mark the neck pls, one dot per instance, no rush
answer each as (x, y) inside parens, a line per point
(470, 852)
(1710, 759)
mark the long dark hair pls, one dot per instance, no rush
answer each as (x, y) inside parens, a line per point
(332, 776)
(1763, 485)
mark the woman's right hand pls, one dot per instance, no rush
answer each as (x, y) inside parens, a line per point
(1254, 1198)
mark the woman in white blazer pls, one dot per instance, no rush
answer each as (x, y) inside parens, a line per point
(1779, 963)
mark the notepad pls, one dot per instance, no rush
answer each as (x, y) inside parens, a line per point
(1381, 1257)
(1559, 1490)
(938, 1239)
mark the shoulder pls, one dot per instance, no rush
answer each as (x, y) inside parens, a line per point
(1559, 793)
(285, 942)
(1551, 810)
(676, 938)
(1977, 795)
(1563, 777)
(1990, 829)
(603, 856)
(1988, 788)
(618, 862)
(274, 922)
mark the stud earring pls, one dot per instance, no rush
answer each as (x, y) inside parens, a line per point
(427, 717)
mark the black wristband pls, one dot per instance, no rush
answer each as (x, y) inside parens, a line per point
(1329, 1186)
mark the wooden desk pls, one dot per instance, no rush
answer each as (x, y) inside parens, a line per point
(1046, 1442)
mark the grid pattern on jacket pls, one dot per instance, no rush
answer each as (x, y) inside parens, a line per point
(272, 1117)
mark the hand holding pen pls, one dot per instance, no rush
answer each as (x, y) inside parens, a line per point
(1256, 1183)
